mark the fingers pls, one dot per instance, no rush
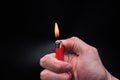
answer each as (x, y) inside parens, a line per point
(49, 75)
(75, 44)
(51, 63)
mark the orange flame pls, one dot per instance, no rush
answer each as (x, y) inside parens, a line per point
(56, 30)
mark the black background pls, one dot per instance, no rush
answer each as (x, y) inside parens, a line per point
(31, 33)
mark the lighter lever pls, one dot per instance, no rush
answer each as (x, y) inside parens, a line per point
(59, 50)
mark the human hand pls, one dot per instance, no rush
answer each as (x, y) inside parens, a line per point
(85, 64)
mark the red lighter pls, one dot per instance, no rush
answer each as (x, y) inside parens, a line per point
(59, 50)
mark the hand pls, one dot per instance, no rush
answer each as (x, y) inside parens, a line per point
(85, 64)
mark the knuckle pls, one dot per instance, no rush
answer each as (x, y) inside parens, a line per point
(91, 49)
(43, 60)
(67, 76)
(46, 56)
(75, 38)
(43, 74)
(59, 68)
(94, 49)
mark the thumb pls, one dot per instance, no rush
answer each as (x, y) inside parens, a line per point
(75, 44)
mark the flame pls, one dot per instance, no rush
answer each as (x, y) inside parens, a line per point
(56, 30)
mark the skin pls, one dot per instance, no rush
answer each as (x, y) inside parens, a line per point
(85, 64)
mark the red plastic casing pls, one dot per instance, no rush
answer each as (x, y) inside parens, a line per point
(60, 53)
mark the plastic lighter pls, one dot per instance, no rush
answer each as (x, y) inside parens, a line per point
(59, 50)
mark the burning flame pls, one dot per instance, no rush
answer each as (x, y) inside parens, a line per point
(56, 30)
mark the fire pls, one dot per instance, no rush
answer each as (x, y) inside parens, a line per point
(56, 30)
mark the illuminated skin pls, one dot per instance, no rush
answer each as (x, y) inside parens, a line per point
(85, 64)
